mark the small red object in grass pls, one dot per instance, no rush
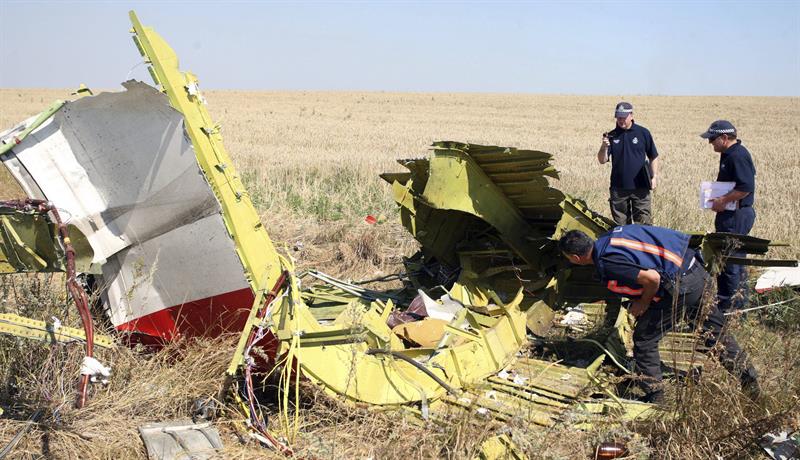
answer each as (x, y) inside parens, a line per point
(370, 219)
(609, 450)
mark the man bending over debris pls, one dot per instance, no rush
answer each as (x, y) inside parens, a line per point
(665, 279)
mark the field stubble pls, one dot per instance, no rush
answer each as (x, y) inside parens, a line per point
(311, 160)
(316, 156)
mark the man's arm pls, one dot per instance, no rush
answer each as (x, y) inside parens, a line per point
(650, 280)
(745, 177)
(652, 154)
(602, 154)
(654, 172)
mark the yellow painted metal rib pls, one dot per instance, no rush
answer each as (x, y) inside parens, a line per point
(21, 326)
(253, 245)
(522, 176)
(346, 368)
(531, 390)
(458, 183)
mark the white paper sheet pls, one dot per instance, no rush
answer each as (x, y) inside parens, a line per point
(710, 190)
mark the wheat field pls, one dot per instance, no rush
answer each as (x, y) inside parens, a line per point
(317, 155)
(311, 160)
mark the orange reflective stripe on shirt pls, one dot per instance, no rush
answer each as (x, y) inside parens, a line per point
(649, 248)
(613, 286)
(620, 289)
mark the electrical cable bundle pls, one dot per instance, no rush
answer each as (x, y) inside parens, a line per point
(73, 287)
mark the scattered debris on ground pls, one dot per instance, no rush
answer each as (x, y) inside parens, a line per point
(486, 326)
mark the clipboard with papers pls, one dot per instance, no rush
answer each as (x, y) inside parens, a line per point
(710, 190)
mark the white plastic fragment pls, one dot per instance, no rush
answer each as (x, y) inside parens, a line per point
(574, 318)
(445, 311)
(778, 277)
(56, 324)
(194, 90)
(95, 369)
(503, 374)
(520, 380)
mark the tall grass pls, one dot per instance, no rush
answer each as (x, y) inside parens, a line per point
(317, 154)
(310, 161)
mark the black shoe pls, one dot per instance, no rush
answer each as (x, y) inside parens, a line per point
(654, 397)
(750, 387)
(694, 375)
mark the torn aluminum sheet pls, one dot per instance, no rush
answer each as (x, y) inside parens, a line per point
(777, 277)
(121, 167)
(181, 440)
(781, 446)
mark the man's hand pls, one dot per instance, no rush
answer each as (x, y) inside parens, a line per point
(653, 182)
(650, 280)
(638, 308)
(718, 204)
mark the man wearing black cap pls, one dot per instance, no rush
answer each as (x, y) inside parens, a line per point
(634, 168)
(735, 165)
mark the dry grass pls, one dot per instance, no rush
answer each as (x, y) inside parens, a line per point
(311, 161)
(713, 418)
(309, 149)
(315, 156)
(143, 388)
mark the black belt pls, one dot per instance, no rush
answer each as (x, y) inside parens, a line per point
(740, 207)
(693, 266)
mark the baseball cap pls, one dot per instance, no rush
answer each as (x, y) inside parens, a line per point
(719, 127)
(623, 109)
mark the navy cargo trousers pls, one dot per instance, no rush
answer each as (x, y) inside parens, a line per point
(732, 291)
(662, 316)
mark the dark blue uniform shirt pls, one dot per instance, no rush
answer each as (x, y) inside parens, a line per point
(736, 165)
(628, 150)
(620, 254)
(620, 268)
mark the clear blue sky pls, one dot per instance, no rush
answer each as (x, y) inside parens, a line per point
(674, 48)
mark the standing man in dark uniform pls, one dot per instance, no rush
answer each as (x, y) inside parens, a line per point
(655, 268)
(634, 168)
(735, 165)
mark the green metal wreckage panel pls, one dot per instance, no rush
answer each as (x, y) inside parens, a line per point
(488, 210)
(465, 191)
(491, 212)
(29, 242)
